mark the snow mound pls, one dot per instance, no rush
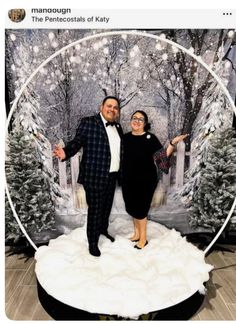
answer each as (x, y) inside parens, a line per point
(123, 281)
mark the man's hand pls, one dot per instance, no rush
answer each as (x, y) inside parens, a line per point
(59, 152)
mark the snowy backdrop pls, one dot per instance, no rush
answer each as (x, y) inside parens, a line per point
(177, 93)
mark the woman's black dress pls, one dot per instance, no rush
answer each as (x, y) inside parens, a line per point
(139, 173)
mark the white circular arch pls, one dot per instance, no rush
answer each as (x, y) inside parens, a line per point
(197, 58)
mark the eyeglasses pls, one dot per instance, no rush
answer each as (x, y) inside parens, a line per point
(141, 120)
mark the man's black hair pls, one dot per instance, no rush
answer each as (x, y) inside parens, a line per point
(111, 97)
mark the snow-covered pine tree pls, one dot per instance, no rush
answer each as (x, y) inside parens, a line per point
(29, 172)
(216, 186)
(27, 117)
(28, 185)
(215, 115)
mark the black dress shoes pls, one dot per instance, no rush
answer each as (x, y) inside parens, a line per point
(109, 237)
(139, 248)
(94, 250)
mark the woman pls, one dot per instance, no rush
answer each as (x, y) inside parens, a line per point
(139, 174)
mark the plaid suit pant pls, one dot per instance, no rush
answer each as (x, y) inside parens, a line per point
(99, 201)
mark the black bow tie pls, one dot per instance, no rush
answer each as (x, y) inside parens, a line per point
(110, 123)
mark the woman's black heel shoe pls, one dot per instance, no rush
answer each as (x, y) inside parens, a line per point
(139, 248)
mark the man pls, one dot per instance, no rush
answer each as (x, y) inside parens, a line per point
(100, 137)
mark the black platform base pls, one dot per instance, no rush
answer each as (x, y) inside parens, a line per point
(60, 311)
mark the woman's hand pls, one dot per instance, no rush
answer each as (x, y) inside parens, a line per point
(170, 149)
(179, 138)
(59, 152)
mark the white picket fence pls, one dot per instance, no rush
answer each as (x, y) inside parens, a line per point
(179, 167)
(168, 180)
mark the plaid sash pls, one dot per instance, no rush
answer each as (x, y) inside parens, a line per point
(161, 160)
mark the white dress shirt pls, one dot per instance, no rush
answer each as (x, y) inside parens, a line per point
(114, 143)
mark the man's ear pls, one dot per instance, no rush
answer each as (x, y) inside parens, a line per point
(101, 107)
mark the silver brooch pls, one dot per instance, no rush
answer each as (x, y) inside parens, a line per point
(148, 136)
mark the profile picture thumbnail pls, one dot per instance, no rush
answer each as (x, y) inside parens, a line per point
(16, 15)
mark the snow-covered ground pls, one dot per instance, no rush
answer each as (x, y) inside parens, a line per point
(123, 280)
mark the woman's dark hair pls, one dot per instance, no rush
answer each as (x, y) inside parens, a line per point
(111, 97)
(147, 125)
